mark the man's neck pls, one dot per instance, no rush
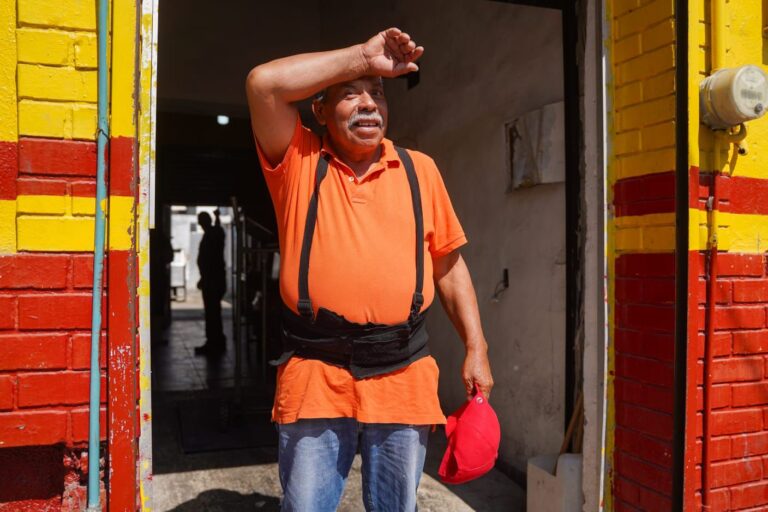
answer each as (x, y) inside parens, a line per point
(359, 162)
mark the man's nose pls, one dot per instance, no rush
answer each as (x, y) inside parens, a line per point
(366, 102)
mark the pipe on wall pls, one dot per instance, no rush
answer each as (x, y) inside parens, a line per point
(717, 17)
(102, 137)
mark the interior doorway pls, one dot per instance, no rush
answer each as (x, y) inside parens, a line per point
(491, 71)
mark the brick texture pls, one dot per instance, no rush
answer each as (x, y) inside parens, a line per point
(61, 311)
(642, 52)
(46, 268)
(48, 389)
(740, 368)
(29, 428)
(644, 373)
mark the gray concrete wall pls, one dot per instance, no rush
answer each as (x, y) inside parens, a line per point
(486, 63)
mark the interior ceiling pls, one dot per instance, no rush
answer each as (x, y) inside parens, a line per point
(204, 55)
(206, 52)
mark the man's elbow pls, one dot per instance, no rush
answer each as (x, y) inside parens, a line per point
(258, 83)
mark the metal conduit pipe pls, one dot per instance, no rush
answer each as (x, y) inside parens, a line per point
(102, 137)
(717, 55)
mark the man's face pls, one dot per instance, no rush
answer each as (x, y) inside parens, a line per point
(355, 114)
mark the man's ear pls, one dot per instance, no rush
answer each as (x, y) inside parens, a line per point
(318, 108)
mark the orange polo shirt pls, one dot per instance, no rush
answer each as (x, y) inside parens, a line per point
(362, 266)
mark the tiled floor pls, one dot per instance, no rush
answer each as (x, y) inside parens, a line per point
(246, 479)
(175, 367)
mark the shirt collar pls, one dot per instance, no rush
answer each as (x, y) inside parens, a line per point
(387, 159)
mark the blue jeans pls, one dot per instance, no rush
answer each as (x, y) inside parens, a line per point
(315, 457)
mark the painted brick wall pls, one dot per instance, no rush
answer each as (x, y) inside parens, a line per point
(641, 255)
(738, 473)
(47, 186)
(45, 296)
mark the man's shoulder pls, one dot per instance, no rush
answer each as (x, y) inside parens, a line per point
(421, 160)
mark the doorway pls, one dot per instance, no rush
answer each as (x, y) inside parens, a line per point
(459, 109)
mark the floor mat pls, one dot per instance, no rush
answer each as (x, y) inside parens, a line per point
(214, 425)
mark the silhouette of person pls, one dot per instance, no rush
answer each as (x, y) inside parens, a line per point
(213, 283)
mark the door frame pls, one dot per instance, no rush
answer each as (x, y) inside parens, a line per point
(147, 85)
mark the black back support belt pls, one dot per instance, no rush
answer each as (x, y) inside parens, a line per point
(365, 349)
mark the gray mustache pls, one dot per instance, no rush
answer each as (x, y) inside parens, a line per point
(365, 116)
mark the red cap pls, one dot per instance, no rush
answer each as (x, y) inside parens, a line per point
(473, 433)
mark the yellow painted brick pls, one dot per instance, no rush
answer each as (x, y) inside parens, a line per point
(628, 95)
(38, 46)
(628, 239)
(658, 86)
(645, 16)
(46, 233)
(42, 119)
(702, 33)
(42, 204)
(649, 64)
(700, 60)
(652, 219)
(626, 48)
(628, 142)
(122, 216)
(648, 162)
(84, 121)
(56, 83)
(57, 120)
(623, 6)
(8, 52)
(78, 14)
(86, 50)
(123, 85)
(659, 238)
(83, 206)
(659, 35)
(659, 136)
(7, 226)
(646, 114)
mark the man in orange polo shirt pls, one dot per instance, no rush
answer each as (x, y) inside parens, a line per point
(363, 225)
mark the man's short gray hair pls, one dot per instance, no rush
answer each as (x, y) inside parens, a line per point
(320, 96)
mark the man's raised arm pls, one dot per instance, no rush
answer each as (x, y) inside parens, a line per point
(274, 88)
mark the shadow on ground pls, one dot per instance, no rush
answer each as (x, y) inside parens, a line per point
(216, 500)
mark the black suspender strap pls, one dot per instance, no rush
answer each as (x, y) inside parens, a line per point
(305, 304)
(413, 181)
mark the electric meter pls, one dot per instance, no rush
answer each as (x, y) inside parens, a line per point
(733, 96)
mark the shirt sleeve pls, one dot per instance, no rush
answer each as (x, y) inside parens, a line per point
(448, 234)
(297, 140)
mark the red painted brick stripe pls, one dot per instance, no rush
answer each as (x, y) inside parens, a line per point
(56, 186)
(68, 158)
(9, 165)
(29, 428)
(80, 424)
(122, 166)
(47, 187)
(38, 351)
(39, 271)
(738, 194)
(56, 388)
(123, 384)
(57, 157)
(644, 195)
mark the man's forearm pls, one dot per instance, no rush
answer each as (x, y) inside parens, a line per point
(457, 294)
(460, 302)
(295, 78)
